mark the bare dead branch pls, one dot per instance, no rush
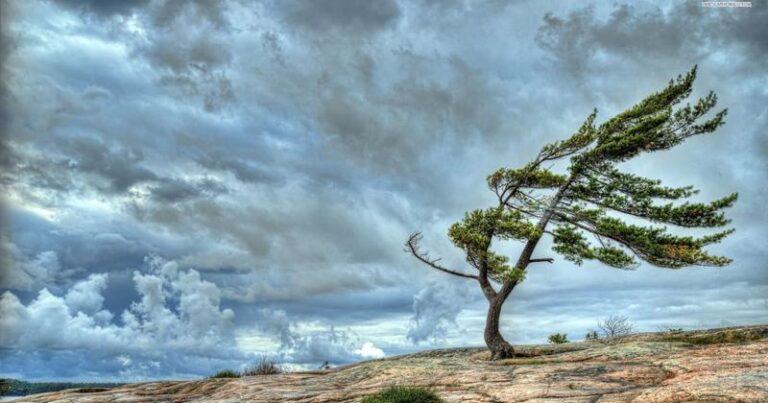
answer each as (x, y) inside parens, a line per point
(412, 247)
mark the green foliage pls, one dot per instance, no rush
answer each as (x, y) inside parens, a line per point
(595, 194)
(475, 231)
(512, 274)
(591, 335)
(528, 177)
(558, 338)
(227, 373)
(598, 190)
(403, 394)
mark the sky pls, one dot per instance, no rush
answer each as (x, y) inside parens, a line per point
(190, 185)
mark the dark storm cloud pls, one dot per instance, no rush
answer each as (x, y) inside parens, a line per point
(685, 30)
(203, 53)
(347, 16)
(6, 158)
(210, 11)
(120, 167)
(175, 190)
(244, 170)
(103, 8)
(457, 105)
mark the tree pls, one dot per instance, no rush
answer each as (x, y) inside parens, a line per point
(5, 386)
(592, 197)
(615, 328)
(558, 338)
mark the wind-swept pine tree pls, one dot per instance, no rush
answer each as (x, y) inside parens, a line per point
(585, 209)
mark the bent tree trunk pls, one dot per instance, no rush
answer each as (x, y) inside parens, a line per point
(499, 347)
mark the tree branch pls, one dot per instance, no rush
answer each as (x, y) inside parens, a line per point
(412, 246)
(541, 260)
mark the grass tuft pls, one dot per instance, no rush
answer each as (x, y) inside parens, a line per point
(403, 394)
(726, 336)
(227, 373)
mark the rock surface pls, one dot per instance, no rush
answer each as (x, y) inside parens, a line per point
(704, 366)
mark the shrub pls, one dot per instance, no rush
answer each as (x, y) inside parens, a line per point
(615, 328)
(403, 394)
(558, 338)
(227, 373)
(591, 335)
(670, 330)
(5, 386)
(264, 367)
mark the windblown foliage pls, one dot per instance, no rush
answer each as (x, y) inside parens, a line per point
(590, 202)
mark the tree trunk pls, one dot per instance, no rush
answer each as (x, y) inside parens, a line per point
(499, 347)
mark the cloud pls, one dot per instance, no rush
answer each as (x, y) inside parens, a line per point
(103, 8)
(21, 272)
(315, 346)
(435, 309)
(85, 296)
(685, 30)
(119, 167)
(347, 16)
(174, 190)
(177, 328)
(370, 351)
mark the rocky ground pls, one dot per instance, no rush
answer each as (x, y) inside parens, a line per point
(729, 365)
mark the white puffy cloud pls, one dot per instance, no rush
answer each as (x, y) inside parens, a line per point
(301, 345)
(369, 350)
(177, 328)
(85, 296)
(435, 309)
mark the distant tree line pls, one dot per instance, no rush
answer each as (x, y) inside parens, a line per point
(13, 387)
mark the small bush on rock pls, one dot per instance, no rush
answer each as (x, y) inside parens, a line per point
(227, 373)
(558, 338)
(264, 367)
(615, 328)
(403, 394)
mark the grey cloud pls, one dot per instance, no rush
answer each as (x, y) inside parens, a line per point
(175, 190)
(186, 44)
(442, 109)
(316, 347)
(103, 8)
(120, 167)
(201, 53)
(244, 170)
(435, 309)
(21, 272)
(686, 30)
(212, 12)
(347, 16)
